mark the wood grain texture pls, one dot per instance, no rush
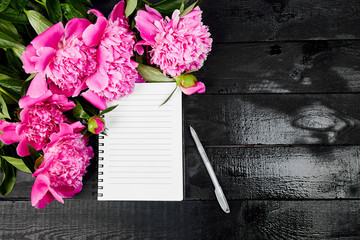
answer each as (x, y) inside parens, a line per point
(251, 220)
(268, 20)
(283, 67)
(311, 172)
(276, 172)
(273, 119)
(264, 20)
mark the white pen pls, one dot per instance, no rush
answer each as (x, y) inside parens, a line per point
(218, 191)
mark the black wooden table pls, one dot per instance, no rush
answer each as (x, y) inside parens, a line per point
(280, 122)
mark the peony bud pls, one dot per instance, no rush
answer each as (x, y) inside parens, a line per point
(96, 124)
(189, 84)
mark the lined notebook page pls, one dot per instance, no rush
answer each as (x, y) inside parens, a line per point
(141, 156)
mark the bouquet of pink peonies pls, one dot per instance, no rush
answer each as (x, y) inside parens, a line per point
(53, 92)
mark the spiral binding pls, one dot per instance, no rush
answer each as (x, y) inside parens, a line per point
(101, 165)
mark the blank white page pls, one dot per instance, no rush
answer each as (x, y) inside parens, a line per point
(141, 156)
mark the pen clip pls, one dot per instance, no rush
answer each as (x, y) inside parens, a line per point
(222, 200)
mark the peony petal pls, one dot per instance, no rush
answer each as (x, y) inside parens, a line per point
(37, 86)
(62, 102)
(56, 90)
(75, 27)
(43, 58)
(28, 63)
(117, 12)
(153, 12)
(56, 195)
(81, 87)
(50, 37)
(48, 198)
(21, 126)
(97, 81)
(175, 18)
(22, 148)
(39, 190)
(95, 99)
(95, 12)
(139, 48)
(28, 101)
(104, 57)
(196, 12)
(94, 32)
(65, 129)
(8, 135)
(198, 88)
(146, 26)
(68, 192)
(45, 164)
(77, 127)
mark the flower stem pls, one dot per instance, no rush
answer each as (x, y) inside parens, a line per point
(9, 95)
(40, 2)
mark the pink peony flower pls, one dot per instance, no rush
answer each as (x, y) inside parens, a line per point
(179, 44)
(40, 118)
(65, 160)
(62, 59)
(117, 73)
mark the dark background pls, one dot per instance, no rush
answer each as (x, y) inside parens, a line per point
(280, 121)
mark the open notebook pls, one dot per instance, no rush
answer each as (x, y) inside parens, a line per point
(141, 156)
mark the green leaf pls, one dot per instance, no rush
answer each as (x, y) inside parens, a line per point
(18, 52)
(12, 86)
(38, 162)
(19, 5)
(189, 8)
(130, 7)
(18, 163)
(4, 110)
(88, 2)
(37, 6)
(168, 98)
(78, 6)
(38, 21)
(9, 178)
(182, 6)
(79, 111)
(54, 10)
(70, 12)
(29, 160)
(14, 16)
(109, 109)
(8, 42)
(24, 88)
(167, 7)
(30, 77)
(13, 61)
(4, 4)
(9, 29)
(151, 74)
(7, 71)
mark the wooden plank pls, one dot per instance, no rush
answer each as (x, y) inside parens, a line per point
(182, 220)
(292, 67)
(276, 173)
(273, 119)
(255, 20)
(308, 172)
